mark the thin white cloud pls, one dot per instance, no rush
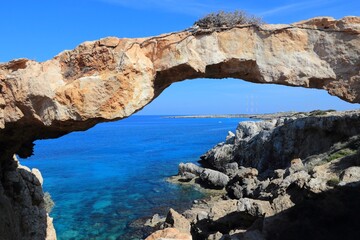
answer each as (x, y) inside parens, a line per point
(292, 7)
(199, 8)
(189, 7)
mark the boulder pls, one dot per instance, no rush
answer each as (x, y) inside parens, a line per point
(230, 138)
(350, 175)
(176, 220)
(169, 234)
(154, 221)
(214, 179)
(256, 208)
(222, 208)
(190, 168)
(187, 177)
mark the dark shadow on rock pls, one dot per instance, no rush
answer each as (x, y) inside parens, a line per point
(224, 225)
(205, 185)
(22, 207)
(333, 214)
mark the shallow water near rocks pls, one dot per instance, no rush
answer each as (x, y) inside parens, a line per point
(105, 179)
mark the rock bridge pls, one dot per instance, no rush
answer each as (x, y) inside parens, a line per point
(112, 78)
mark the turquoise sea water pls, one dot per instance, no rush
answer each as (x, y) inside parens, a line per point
(105, 179)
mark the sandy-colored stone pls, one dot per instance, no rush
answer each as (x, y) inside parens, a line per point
(176, 220)
(113, 78)
(50, 231)
(169, 234)
(350, 175)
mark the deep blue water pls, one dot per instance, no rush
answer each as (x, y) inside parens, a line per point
(104, 179)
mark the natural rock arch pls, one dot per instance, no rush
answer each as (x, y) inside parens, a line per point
(112, 78)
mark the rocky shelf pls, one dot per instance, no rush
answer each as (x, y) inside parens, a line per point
(284, 178)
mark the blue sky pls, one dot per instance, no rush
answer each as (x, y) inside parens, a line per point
(40, 29)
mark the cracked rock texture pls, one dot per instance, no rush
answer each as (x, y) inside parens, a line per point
(22, 207)
(112, 78)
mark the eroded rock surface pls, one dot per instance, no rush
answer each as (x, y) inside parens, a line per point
(113, 78)
(22, 208)
(302, 198)
(272, 144)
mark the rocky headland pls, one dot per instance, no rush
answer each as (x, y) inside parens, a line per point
(292, 177)
(111, 78)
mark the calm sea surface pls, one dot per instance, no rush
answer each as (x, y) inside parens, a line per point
(105, 179)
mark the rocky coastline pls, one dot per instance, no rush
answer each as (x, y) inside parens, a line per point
(262, 116)
(294, 177)
(111, 79)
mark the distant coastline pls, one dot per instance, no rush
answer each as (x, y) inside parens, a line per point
(255, 116)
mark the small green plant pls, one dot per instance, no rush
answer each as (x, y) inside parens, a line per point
(340, 154)
(333, 182)
(227, 19)
(321, 112)
(49, 203)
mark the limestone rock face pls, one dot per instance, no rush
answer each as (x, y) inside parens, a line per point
(169, 234)
(272, 144)
(113, 78)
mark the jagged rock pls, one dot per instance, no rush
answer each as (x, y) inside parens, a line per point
(296, 165)
(154, 221)
(214, 179)
(272, 144)
(190, 168)
(222, 208)
(215, 236)
(299, 178)
(22, 211)
(256, 208)
(186, 176)
(232, 166)
(279, 173)
(176, 220)
(231, 169)
(218, 156)
(317, 185)
(169, 234)
(50, 229)
(37, 175)
(230, 138)
(350, 175)
(243, 184)
(281, 203)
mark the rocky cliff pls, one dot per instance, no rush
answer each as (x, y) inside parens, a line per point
(272, 144)
(112, 78)
(271, 193)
